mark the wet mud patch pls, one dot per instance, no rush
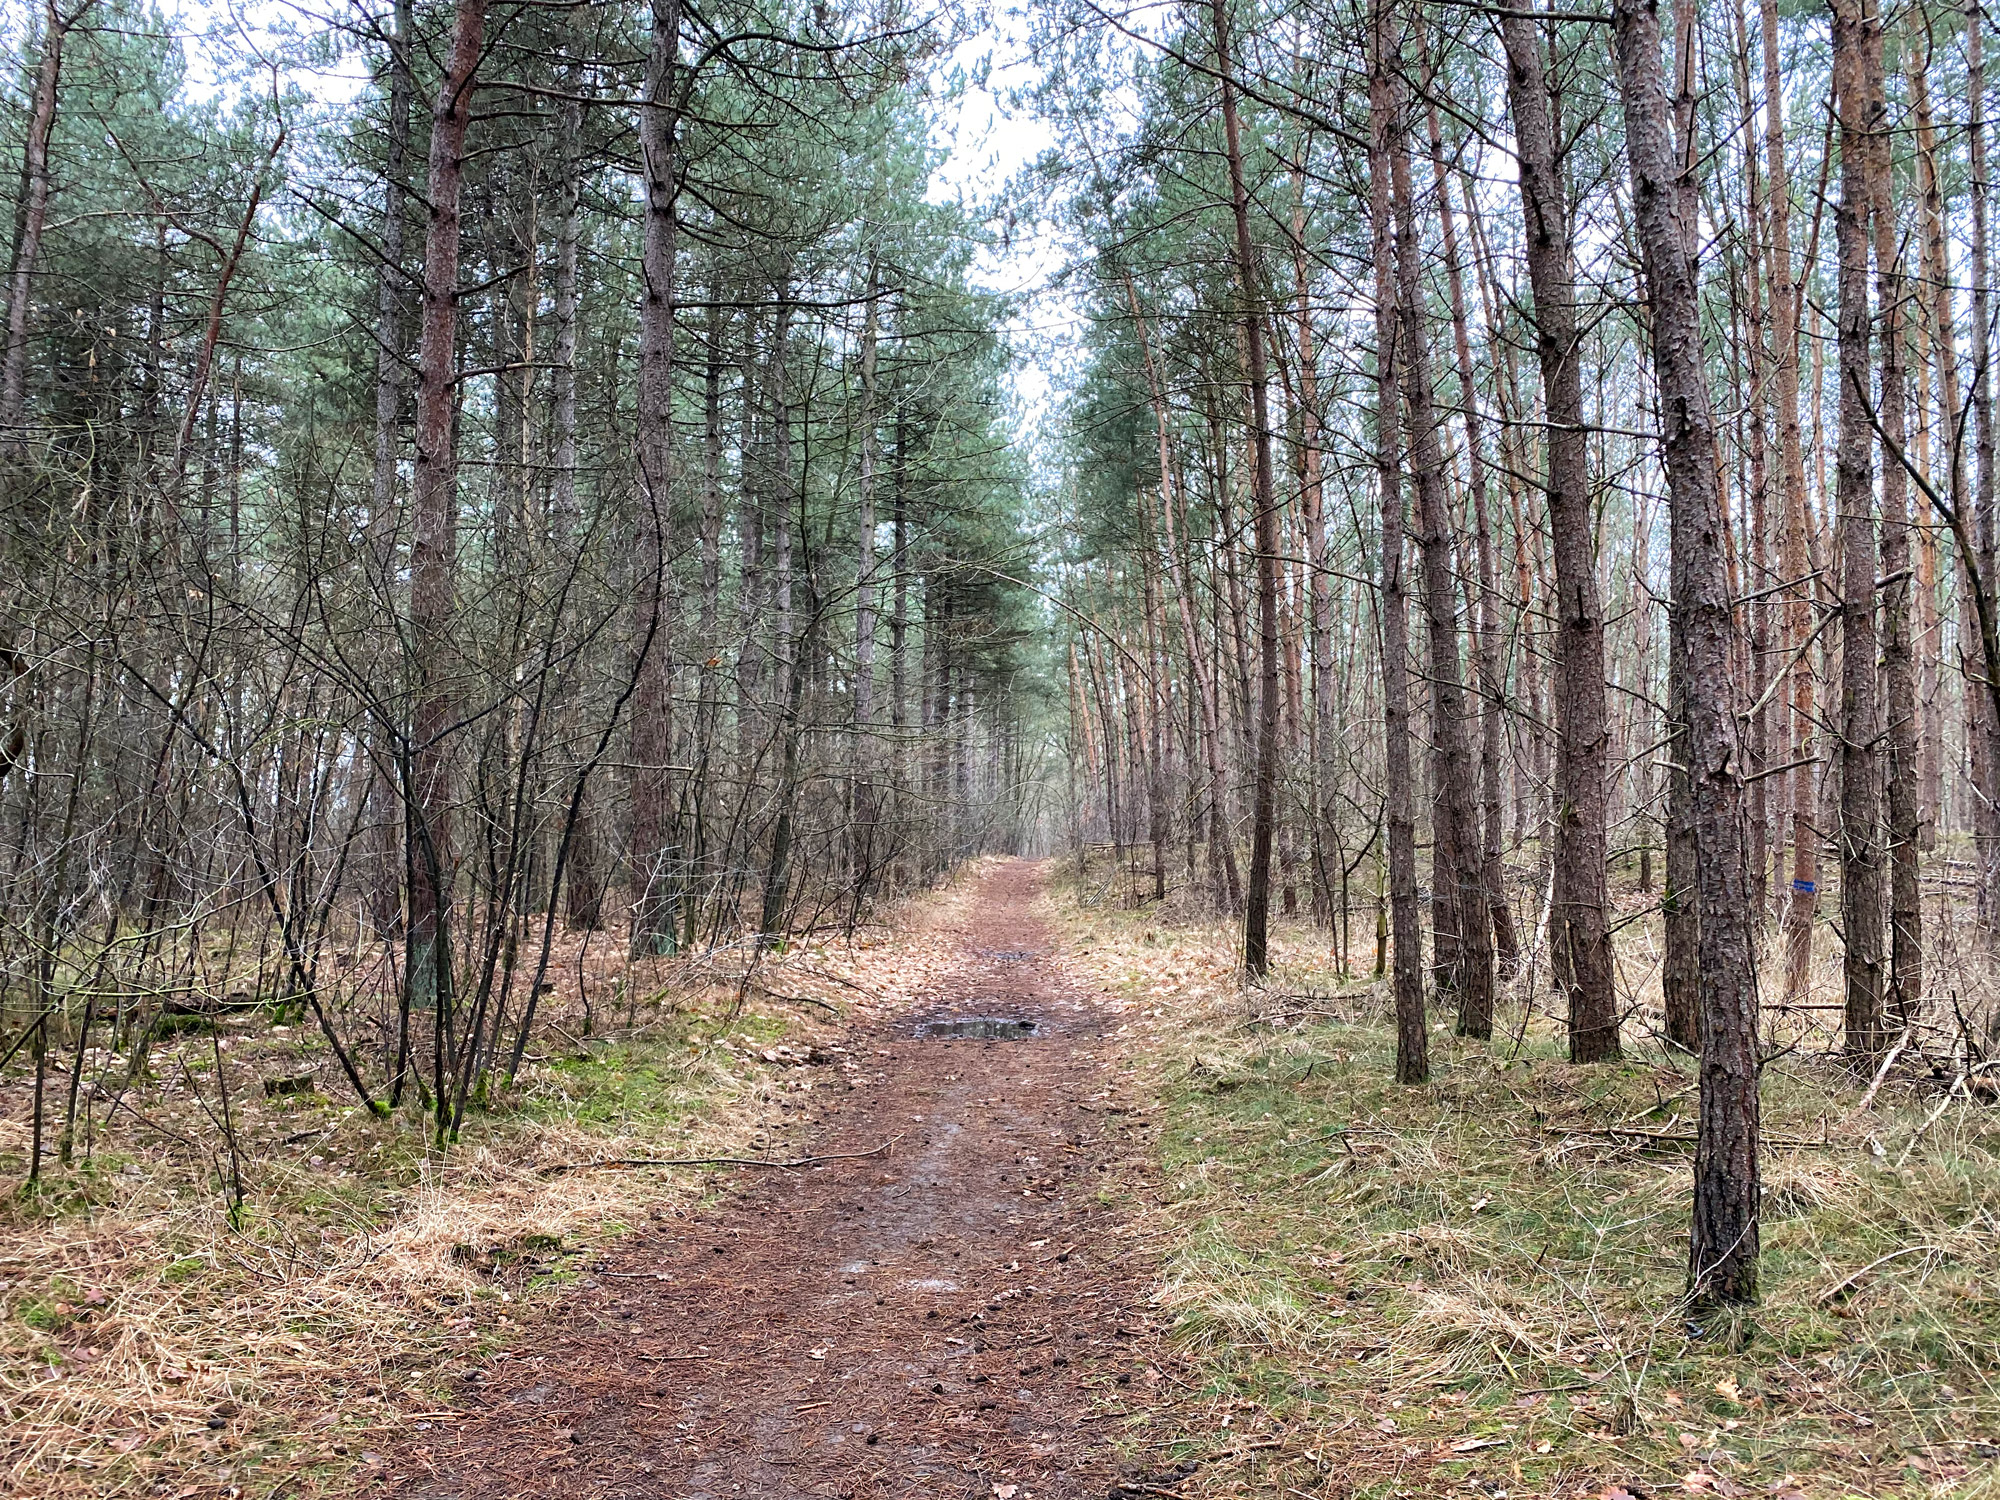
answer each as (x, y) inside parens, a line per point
(982, 1028)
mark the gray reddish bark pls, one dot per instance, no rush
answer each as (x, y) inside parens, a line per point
(1472, 978)
(1486, 601)
(1854, 499)
(1579, 922)
(864, 604)
(1412, 1039)
(1264, 793)
(654, 859)
(583, 889)
(1312, 498)
(434, 502)
(1943, 359)
(1899, 668)
(1986, 731)
(34, 218)
(1681, 938)
(1724, 1240)
(391, 376)
(1794, 561)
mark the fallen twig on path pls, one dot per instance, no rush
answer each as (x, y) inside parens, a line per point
(718, 1161)
(1882, 1072)
(1678, 1138)
(1848, 1282)
(770, 994)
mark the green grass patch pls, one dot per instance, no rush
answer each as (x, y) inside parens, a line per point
(1467, 1287)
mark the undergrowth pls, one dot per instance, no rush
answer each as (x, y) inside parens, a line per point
(153, 1342)
(1469, 1287)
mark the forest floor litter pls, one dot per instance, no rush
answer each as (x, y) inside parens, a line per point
(1036, 1201)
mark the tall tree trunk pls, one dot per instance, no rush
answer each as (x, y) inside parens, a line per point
(1399, 814)
(1457, 821)
(1680, 916)
(434, 501)
(1944, 361)
(1257, 899)
(1312, 497)
(1486, 602)
(1579, 922)
(899, 610)
(864, 606)
(1794, 556)
(1986, 752)
(584, 886)
(655, 860)
(1899, 672)
(391, 378)
(34, 218)
(1724, 1241)
(791, 661)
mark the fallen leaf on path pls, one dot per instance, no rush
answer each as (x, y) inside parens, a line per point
(1471, 1445)
(1003, 1492)
(1701, 1482)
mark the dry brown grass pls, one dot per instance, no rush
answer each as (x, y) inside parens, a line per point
(148, 1345)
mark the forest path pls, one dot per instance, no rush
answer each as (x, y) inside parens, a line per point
(944, 1319)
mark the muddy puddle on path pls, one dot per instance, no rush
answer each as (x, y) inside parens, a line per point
(947, 1319)
(977, 1028)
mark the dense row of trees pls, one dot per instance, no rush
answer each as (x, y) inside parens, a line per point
(1546, 430)
(566, 489)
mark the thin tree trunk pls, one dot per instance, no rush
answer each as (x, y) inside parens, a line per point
(1899, 680)
(1472, 976)
(391, 378)
(434, 502)
(655, 872)
(1412, 1038)
(1486, 603)
(1579, 923)
(1724, 1239)
(864, 606)
(1986, 754)
(1257, 898)
(1944, 361)
(1861, 900)
(1312, 496)
(34, 218)
(1794, 557)
(583, 892)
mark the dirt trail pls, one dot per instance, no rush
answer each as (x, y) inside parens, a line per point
(948, 1319)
